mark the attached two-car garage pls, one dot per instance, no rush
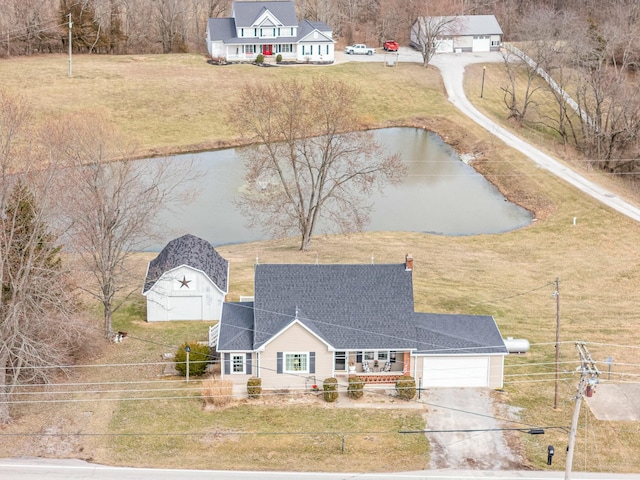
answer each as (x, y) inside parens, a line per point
(457, 371)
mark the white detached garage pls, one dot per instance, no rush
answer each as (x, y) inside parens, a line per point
(188, 280)
(462, 33)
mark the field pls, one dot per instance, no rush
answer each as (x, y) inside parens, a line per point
(180, 103)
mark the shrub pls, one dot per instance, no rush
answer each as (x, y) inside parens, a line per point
(279, 58)
(217, 392)
(330, 389)
(260, 58)
(356, 387)
(406, 387)
(199, 358)
(254, 387)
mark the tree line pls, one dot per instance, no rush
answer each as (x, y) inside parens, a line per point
(176, 26)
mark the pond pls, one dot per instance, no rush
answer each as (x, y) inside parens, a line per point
(440, 195)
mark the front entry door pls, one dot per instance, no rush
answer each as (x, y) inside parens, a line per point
(267, 49)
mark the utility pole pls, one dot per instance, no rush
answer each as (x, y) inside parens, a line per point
(70, 40)
(556, 295)
(588, 380)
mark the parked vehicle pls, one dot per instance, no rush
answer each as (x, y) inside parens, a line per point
(390, 46)
(359, 49)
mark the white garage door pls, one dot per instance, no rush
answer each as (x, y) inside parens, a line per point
(185, 308)
(481, 44)
(455, 372)
(444, 45)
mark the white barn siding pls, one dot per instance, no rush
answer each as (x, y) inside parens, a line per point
(168, 300)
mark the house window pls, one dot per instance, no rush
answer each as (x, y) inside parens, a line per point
(237, 363)
(249, 49)
(340, 361)
(296, 363)
(382, 355)
(495, 43)
(286, 48)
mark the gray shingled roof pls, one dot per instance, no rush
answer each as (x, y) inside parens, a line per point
(221, 29)
(356, 307)
(465, 25)
(238, 332)
(350, 305)
(306, 27)
(192, 251)
(246, 13)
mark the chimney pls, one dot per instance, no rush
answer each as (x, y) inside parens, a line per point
(408, 262)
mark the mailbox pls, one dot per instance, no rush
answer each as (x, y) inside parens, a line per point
(550, 452)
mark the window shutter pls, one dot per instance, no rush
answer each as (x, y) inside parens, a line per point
(248, 364)
(227, 363)
(312, 362)
(279, 363)
(359, 357)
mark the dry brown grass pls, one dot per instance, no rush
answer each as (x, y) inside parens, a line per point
(217, 392)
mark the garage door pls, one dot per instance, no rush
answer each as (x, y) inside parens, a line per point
(455, 372)
(481, 44)
(185, 308)
(444, 45)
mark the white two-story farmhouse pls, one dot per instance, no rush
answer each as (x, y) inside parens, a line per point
(269, 28)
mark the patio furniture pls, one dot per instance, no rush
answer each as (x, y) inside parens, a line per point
(365, 367)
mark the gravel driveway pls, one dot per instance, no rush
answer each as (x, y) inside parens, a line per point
(466, 409)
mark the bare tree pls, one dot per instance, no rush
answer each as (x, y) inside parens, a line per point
(515, 69)
(310, 163)
(169, 16)
(427, 34)
(38, 332)
(113, 204)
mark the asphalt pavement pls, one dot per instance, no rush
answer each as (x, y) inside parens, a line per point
(38, 468)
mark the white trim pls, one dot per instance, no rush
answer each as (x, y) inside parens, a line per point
(192, 269)
(284, 362)
(243, 356)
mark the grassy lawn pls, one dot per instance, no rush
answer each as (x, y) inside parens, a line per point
(177, 102)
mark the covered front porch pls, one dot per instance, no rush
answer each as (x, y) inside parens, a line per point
(373, 366)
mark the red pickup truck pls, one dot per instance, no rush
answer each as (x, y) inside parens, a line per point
(390, 46)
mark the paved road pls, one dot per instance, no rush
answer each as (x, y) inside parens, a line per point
(452, 67)
(37, 468)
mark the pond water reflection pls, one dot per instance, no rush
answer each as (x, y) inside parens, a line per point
(441, 194)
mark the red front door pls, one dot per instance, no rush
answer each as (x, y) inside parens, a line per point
(267, 49)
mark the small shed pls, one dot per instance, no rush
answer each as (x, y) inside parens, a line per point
(188, 280)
